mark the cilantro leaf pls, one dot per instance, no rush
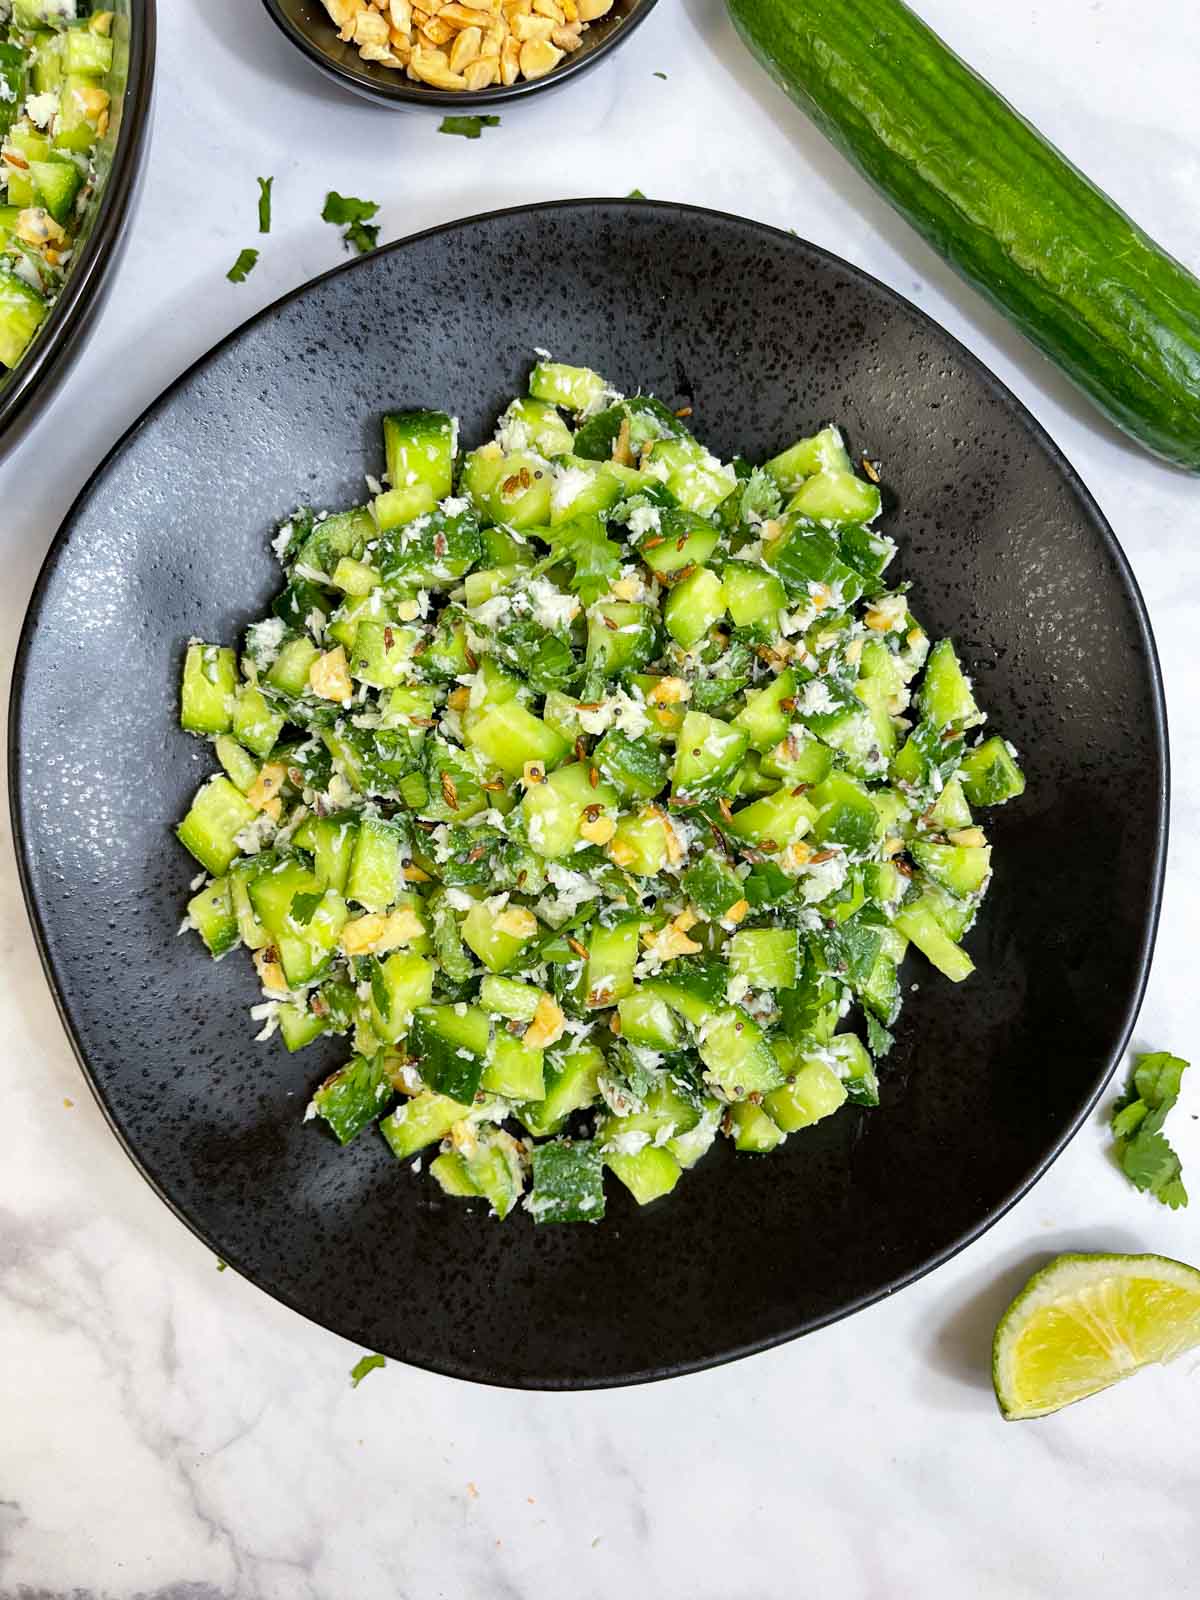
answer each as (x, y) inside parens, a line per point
(661, 75)
(1144, 1155)
(468, 127)
(1157, 1079)
(360, 1368)
(304, 907)
(1150, 1164)
(635, 194)
(243, 266)
(264, 204)
(344, 210)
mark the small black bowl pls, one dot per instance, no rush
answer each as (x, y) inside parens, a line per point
(29, 385)
(306, 23)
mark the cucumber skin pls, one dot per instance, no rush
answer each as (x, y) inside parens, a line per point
(1017, 220)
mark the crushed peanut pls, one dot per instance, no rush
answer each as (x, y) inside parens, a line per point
(547, 1027)
(466, 46)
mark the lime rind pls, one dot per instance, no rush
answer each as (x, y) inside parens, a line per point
(1084, 1322)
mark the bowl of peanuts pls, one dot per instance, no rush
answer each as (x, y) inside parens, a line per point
(461, 53)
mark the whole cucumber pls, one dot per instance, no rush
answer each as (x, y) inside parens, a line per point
(1013, 216)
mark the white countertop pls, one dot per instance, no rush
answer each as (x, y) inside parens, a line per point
(168, 1432)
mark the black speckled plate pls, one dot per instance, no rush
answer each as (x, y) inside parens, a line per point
(767, 337)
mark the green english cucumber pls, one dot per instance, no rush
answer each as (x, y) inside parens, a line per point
(1012, 215)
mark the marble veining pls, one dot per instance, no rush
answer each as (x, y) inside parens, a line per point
(167, 1432)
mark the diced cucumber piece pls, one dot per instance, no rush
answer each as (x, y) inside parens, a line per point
(496, 946)
(376, 865)
(639, 845)
(494, 1168)
(946, 698)
(577, 389)
(612, 956)
(87, 52)
(572, 1084)
(693, 606)
(681, 539)
(707, 752)
(299, 1027)
(450, 1173)
(57, 182)
(806, 553)
(646, 1019)
(918, 923)
(211, 913)
(419, 447)
(512, 737)
(754, 1132)
(568, 1182)
(209, 682)
(290, 669)
(991, 775)
(845, 815)
(513, 490)
(621, 637)
(765, 717)
(505, 997)
(514, 1069)
(353, 1098)
(950, 809)
(634, 766)
(217, 815)
(713, 886)
(737, 1059)
(534, 425)
(254, 723)
(821, 452)
(836, 497)
(693, 475)
(813, 1091)
(332, 842)
(451, 1048)
(768, 958)
(753, 595)
(962, 870)
(648, 1174)
(553, 811)
(777, 819)
(400, 985)
(421, 1121)
(240, 766)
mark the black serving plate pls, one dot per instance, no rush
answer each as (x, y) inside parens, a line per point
(306, 23)
(27, 388)
(767, 337)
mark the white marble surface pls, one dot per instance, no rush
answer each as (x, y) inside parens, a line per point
(168, 1431)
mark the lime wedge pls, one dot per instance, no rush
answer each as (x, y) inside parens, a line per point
(1086, 1321)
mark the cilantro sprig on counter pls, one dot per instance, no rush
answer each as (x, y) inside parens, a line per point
(243, 266)
(346, 211)
(1145, 1156)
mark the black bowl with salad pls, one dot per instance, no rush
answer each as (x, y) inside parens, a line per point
(75, 84)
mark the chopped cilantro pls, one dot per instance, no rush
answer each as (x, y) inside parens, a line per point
(304, 907)
(221, 1265)
(344, 210)
(635, 194)
(1144, 1155)
(468, 127)
(243, 266)
(264, 204)
(360, 1368)
(661, 75)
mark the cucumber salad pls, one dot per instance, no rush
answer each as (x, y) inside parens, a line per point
(593, 789)
(54, 110)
